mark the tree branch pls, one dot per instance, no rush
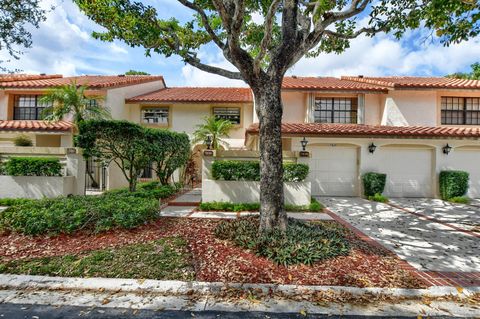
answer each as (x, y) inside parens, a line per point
(205, 22)
(267, 37)
(195, 62)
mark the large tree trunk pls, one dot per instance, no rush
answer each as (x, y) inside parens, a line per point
(269, 109)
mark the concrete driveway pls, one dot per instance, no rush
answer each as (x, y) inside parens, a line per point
(425, 244)
(462, 216)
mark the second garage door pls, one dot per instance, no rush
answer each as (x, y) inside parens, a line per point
(333, 171)
(409, 172)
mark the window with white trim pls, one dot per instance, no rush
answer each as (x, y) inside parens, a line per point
(29, 107)
(227, 113)
(460, 110)
(155, 115)
(335, 110)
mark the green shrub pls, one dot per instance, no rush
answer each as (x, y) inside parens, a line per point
(460, 200)
(453, 184)
(302, 243)
(22, 140)
(373, 183)
(33, 166)
(14, 201)
(314, 206)
(378, 198)
(69, 214)
(293, 172)
(250, 171)
(145, 190)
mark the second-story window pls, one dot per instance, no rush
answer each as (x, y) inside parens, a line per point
(335, 110)
(460, 110)
(227, 113)
(28, 107)
(156, 115)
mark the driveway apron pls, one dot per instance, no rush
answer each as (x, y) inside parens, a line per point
(425, 244)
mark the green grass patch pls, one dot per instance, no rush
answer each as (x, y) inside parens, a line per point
(460, 200)
(164, 259)
(315, 206)
(378, 198)
(302, 243)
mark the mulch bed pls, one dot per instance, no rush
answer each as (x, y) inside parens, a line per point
(217, 260)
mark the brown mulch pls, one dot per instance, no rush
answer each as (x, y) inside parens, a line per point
(217, 260)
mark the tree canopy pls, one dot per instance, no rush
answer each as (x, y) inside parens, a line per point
(134, 72)
(472, 75)
(15, 16)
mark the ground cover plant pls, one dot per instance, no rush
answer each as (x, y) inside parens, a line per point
(217, 260)
(162, 259)
(301, 243)
(114, 209)
(378, 198)
(314, 206)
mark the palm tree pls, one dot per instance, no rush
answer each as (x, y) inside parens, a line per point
(71, 99)
(213, 128)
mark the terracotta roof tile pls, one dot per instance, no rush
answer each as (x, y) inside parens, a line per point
(416, 82)
(20, 125)
(360, 130)
(24, 77)
(197, 95)
(328, 83)
(92, 81)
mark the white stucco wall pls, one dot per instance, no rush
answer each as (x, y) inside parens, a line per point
(373, 109)
(36, 186)
(294, 106)
(409, 107)
(3, 105)
(115, 98)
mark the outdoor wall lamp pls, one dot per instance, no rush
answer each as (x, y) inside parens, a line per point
(304, 143)
(446, 149)
(371, 148)
(208, 142)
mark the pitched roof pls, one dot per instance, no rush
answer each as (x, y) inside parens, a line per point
(197, 95)
(360, 130)
(328, 83)
(92, 81)
(416, 82)
(24, 77)
(43, 126)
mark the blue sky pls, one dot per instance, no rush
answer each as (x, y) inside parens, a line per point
(63, 44)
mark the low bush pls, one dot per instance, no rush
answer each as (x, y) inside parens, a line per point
(302, 243)
(69, 214)
(378, 198)
(250, 171)
(146, 190)
(460, 200)
(22, 140)
(32, 166)
(453, 184)
(314, 206)
(373, 183)
(14, 201)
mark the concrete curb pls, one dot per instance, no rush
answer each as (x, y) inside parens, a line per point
(20, 282)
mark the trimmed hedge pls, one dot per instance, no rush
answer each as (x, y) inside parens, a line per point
(314, 206)
(453, 184)
(250, 171)
(373, 183)
(32, 166)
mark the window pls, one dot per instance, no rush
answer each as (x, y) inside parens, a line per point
(158, 115)
(147, 171)
(227, 113)
(28, 107)
(460, 110)
(335, 110)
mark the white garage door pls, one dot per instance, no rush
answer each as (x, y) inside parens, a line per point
(333, 171)
(409, 172)
(469, 161)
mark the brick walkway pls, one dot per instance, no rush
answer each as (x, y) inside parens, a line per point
(431, 277)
